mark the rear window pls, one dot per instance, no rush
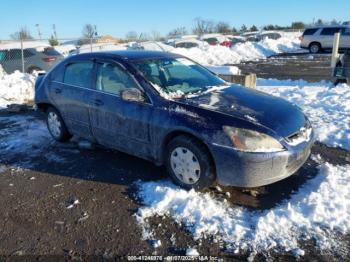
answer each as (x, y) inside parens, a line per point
(330, 31)
(78, 74)
(50, 51)
(310, 31)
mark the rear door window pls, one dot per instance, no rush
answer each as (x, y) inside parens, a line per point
(50, 51)
(15, 54)
(78, 74)
(310, 31)
(3, 55)
(330, 31)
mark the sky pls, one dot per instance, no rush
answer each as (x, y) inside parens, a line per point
(144, 16)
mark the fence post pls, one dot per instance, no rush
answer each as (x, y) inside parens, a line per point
(335, 54)
(22, 54)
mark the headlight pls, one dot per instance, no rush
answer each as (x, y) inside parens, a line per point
(252, 141)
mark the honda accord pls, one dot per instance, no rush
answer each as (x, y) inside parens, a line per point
(165, 108)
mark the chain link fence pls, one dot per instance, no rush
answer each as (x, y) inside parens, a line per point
(41, 54)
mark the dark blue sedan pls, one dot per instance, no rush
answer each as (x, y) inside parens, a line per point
(167, 109)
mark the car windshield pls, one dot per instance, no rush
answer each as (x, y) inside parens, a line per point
(178, 76)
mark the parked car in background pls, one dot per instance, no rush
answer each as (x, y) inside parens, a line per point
(256, 37)
(236, 39)
(170, 110)
(216, 39)
(320, 38)
(35, 59)
(188, 43)
(269, 35)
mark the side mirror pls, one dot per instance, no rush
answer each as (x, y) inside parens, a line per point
(133, 94)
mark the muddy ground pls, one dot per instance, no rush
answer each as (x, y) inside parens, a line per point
(60, 201)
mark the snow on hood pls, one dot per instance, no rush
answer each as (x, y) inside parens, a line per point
(319, 210)
(269, 111)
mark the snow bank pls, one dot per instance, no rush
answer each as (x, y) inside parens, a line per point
(327, 107)
(220, 55)
(65, 49)
(26, 44)
(319, 210)
(16, 88)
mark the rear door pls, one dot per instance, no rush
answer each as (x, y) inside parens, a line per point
(72, 93)
(116, 123)
(327, 36)
(345, 38)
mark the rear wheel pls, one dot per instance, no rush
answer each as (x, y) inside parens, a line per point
(189, 163)
(315, 48)
(56, 126)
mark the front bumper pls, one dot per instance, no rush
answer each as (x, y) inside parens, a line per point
(247, 169)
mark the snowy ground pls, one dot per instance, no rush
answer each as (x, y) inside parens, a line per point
(319, 210)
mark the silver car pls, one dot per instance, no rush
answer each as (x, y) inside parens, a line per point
(321, 38)
(34, 59)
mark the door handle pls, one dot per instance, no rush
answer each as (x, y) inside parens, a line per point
(58, 90)
(98, 102)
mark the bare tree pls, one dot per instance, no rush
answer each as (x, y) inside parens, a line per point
(89, 31)
(131, 36)
(23, 34)
(202, 26)
(179, 31)
(223, 28)
(155, 36)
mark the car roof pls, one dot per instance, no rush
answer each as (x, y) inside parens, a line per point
(126, 55)
(328, 26)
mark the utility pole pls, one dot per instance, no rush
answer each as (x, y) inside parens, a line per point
(54, 31)
(39, 33)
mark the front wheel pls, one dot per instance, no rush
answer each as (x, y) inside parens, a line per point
(56, 126)
(189, 163)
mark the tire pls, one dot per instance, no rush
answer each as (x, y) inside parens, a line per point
(56, 125)
(189, 163)
(315, 48)
(32, 69)
(348, 81)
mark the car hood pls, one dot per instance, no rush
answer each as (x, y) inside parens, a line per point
(269, 111)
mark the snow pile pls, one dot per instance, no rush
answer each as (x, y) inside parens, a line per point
(25, 134)
(16, 88)
(26, 44)
(99, 47)
(319, 210)
(65, 50)
(220, 55)
(327, 107)
(224, 70)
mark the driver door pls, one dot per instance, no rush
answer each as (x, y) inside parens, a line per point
(123, 125)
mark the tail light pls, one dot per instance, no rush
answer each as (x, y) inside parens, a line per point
(226, 43)
(49, 59)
